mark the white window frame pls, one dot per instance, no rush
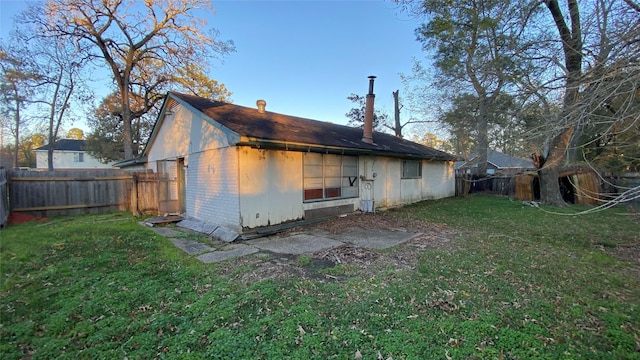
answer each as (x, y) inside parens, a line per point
(78, 157)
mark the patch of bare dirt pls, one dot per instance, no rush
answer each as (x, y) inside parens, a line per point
(355, 260)
(630, 253)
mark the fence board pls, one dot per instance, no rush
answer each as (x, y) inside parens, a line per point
(503, 185)
(4, 198)
(147, 192)
(72, 192)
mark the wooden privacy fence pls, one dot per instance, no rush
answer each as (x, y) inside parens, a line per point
(73, 192)
(144, 193)
(503, 185)
(4, 198)
(579, 186)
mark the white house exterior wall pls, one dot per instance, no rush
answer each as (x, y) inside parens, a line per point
(438, 179)
(185, 132)
(270, 184)
(390, 190)
(212, 192)
(65, 159)
(211, 165)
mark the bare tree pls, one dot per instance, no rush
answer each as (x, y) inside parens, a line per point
(398, 125)
(142, 43)
(16, 87)
(599, 42)
(60, 68)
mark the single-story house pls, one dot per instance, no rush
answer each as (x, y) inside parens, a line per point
(68, 154)
(238, 168)
(497, 164)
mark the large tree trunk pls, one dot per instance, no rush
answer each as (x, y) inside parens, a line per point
(127, 134)
(482, 141)
(549, 187)
(396, 114)
(17, 118)
(572, 48)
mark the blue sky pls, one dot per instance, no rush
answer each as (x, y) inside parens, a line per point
(305, 57)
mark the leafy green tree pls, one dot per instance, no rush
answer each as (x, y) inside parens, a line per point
(106, 138)
(461, 122)
(561, 66)
(191, 79)
(27, 149)
(476, 45)
(356, 114)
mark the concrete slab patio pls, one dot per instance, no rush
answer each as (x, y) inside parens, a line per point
(294, 244)
(375, 239)
(221, 255)
(191, 247)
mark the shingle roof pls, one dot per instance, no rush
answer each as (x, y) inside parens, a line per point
(500, 160)
(505, 161)
(66, 144)
(270, 126)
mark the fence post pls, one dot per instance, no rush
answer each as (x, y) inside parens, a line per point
(134, 195)
(4, 198)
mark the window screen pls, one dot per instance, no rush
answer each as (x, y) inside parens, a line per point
(411, 169)
(330, 176)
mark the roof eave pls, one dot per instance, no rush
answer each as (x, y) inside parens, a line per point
(326, 149)
(131, 162)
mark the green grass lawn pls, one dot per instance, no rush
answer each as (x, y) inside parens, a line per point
(516, 283)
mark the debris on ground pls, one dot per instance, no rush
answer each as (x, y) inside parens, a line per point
(354, 260)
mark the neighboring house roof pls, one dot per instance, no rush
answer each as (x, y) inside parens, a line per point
(131, 162)
(271, 129)
(66, 145)
(499, 160)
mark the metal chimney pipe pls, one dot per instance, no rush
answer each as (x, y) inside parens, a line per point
(261, 106)
(367, 135)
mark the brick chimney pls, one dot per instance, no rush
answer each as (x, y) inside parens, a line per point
(367, 135)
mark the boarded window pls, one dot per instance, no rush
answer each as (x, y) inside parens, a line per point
(330, 176)
(411, 169)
